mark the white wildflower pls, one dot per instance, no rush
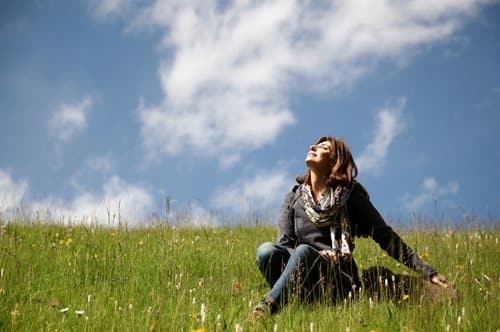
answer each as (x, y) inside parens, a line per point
(203, 313)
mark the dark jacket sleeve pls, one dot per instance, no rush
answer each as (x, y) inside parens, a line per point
(286, 228)
(369, 222)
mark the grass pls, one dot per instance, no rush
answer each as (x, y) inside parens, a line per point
(82, 278)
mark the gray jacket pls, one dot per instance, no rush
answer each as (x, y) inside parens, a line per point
(294, 228)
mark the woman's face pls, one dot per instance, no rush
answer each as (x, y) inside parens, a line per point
(319, 156)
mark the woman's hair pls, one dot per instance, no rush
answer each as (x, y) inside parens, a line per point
(344, 169)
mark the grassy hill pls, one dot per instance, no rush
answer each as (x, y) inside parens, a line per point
(56, 278)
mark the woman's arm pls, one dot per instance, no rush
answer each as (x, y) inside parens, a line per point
(286, 229)
(370, 222)
(392, 243)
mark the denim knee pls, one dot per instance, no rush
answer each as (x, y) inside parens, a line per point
(304, 250)
(264, 252)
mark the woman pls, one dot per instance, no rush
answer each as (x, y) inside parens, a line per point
(318, 222)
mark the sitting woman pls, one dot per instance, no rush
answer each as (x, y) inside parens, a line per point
(318, 222)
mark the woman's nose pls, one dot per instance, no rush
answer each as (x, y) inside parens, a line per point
(312, 148)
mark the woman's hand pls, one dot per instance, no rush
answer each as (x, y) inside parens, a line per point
(440, 281)
(330, 255)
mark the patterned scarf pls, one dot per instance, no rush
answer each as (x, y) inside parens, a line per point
(331, 211)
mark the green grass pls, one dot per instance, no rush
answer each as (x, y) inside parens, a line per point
(158, 278)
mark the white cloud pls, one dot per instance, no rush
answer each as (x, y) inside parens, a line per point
(264, 190)
(102, 9)
(11, 192)
(196, 216)
(429, 192)
(389, 125)
(223, 133)
(69, 120)
(224, 86)
(228, 161)
(101, 164)
(117, 201)
(230, 68)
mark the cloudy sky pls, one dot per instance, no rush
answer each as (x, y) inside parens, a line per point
(107, 107)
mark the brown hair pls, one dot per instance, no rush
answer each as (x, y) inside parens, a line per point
(344, 169)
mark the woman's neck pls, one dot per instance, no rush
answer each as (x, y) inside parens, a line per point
(318, 184)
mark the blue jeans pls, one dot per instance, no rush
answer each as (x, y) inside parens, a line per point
(304, 272)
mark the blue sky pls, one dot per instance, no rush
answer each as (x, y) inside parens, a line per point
(107, 107)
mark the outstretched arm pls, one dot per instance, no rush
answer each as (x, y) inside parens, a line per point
(371, 223)
(398, 249)
(388, 240)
